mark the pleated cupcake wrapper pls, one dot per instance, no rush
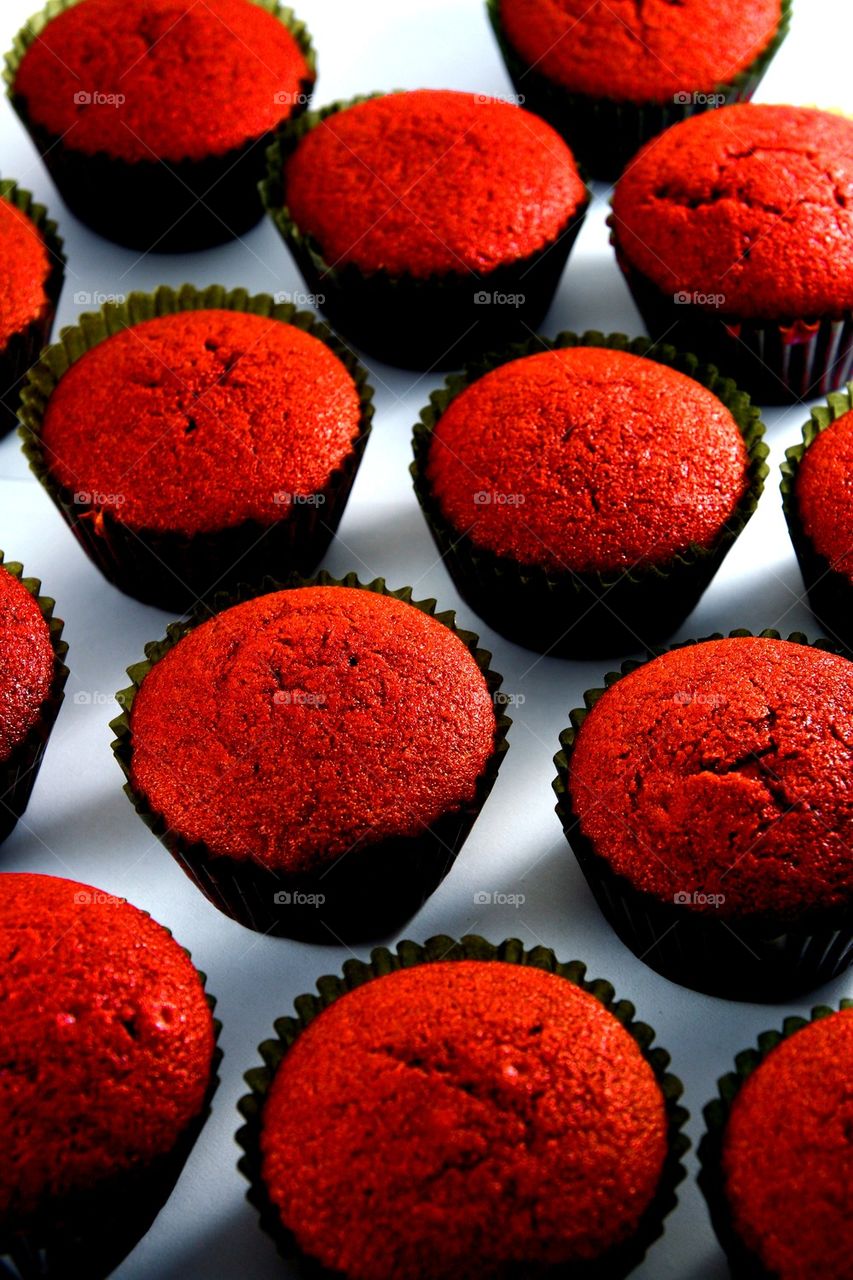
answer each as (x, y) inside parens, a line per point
(91, 1233)
(830, 592)
(22, 348)
(743, 1263)
(605, 134)
(776, 361)
(19, 770)
(618, 1262)
(370, 890)
(757, 958)
(175, 570)
(169, 206)
(419, 323)
(585, 613)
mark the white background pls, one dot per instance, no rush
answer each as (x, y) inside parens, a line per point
(79, 824)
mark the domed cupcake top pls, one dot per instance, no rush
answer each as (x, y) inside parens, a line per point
(748, 210)
(27, 662)
(824, 494)
(432, 182)
(301, 724)
(587, 459)
(144, 80)
(719, 775)
(644, 52)
(786, 1153)
(200, 420)
(26, 266)
(106, 1040)
(420, 1108)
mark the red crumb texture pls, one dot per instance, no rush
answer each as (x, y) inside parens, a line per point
(639, 50)
(725, 769)
(26, 267)
(448, 1121)
(201, 420)
(432, 182)
(26, 662)
(295, 726)
(824, 494)
(106, 1041)
(788, 1154)
(161, 79)
(587, 460)
(749, 207)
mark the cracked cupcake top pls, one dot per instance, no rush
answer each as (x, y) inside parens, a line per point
(432, 182)
(612, 461)
(787, 1158)
(298, 725)
(26, 267)
(749, 207)
(161, 79)
(27, 662)
(198, 421)
(824, 493)
(640, 50)
(450, 1120)
(721, 775)
(106, 1040)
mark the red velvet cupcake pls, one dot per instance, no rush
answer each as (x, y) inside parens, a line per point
(600, 518)
(432, 223)
(107, 1043)
(611, 76)
(818, 503)
(152, 116)
(776, 1157)
(32, 679)
(396, 1120)
(734, 233)
(707, 797)
(313, 757)
(195, 439)
(33, 266)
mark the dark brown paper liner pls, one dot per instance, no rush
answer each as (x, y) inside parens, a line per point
(175, 570)
(373, 889)
(604, 134)
(579, 614)
(830, 592)
(156, 205)
(22, 348)
(434, 322)
(776, 361)
(756, 958)
(618, 1262)
(88, 1235)
(18, 771)
(743, 1263)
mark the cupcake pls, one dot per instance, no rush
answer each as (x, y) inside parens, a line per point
(33, 269)
(109, 1066)
(776, 1156)
(735, 237)
(597, 521)
(461, 1110)
(705, 794)
(611, 76)
(194, 439)
(430, 224)
(152, 116)
(32, 680)
(314, 757)
(818, 500)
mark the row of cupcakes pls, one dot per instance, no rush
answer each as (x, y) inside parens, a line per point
(314, 755)
(412, 1100)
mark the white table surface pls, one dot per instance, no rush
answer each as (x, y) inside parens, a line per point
(79, 823)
